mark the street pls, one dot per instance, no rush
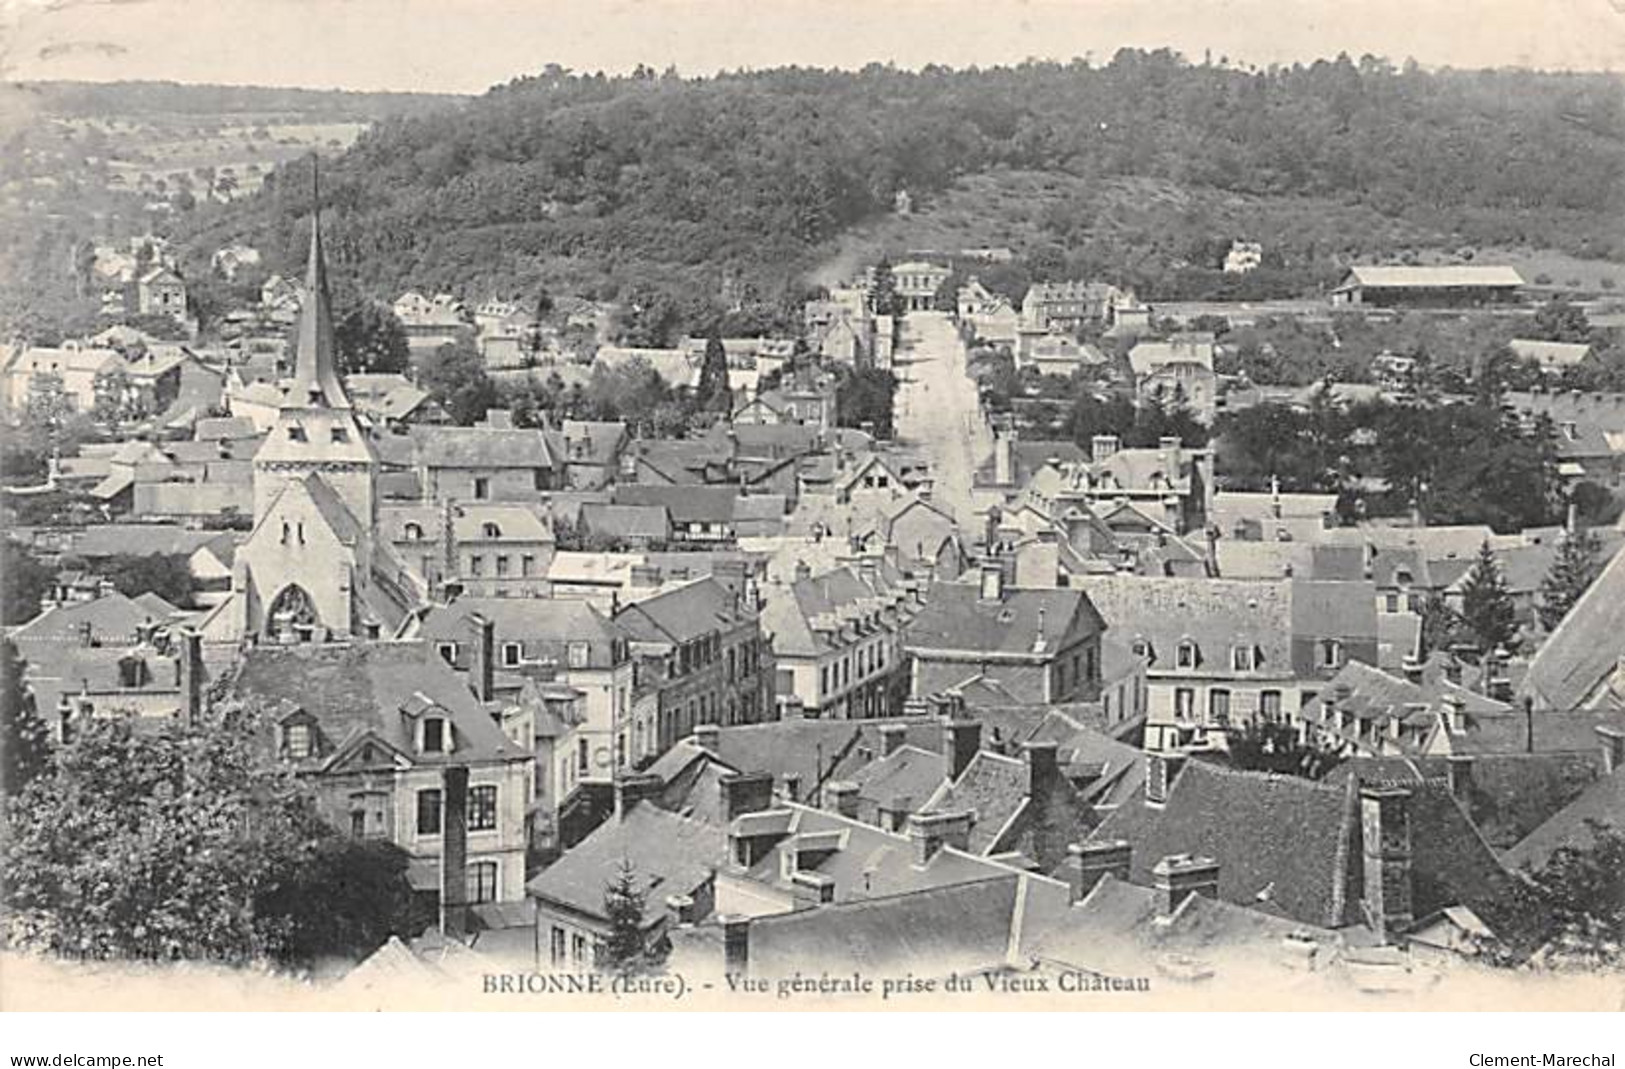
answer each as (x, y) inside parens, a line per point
(938, 410)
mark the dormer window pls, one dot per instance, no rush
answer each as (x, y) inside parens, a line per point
(1142, 648)
(296, 740)
(340, 434)
(448, 652)
(296, 433)
(434, 734)
(1331, 653)
(511, 653)
(1187, 655)
(414, 532)
(1243, 658)
(490, 530)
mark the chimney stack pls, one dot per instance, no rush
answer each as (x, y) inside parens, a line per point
(454, 852)
(1411, 666)
(680, 910)
(634, 787)
(1455, 714)
(892, 738)
(1459, 768)
(1043, 767)
(1613, 748)
(961, 738)
(191, 676)
(1178, 877)
(1004, 458)
(930, 832)
(746, 792)
(1102, 447)
(736, 945)
(707, 736)
(1385, 828)
(483, 666)
(1087, 863)
(1161, 770)
(841, 797)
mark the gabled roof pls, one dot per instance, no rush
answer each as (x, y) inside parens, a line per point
(1585, 649)
(1603, 801)
(517, 619)
(352, 689)
(1294, 847)
(626, 521)
(1390, 276)
(1024, 622)
(684, 613)
(669, 855)
(480, 447)
(113, 620)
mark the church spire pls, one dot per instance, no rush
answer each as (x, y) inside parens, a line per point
(315, 377)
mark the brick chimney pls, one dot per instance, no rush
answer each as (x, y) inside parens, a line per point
(1087, 863)
(1179, 876)
(736, 945)
(746, 792)
(1459, 768)
(679, 910)
(1455, 714)
(961, 740)
(1385, 829)
(1043, 767)
(841, 797)
(1411, 666)
(930, 832)
(895, 812)
(634, 787)
(482, 657)
(454, 852)
(1613, 748)
(189, 668)
(1161, 771)
(892, 738)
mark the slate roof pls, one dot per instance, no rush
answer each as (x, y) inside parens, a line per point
(627, 521)
(480, 447)
(1510, 794)
(670, 855)
(958, 928)
(114, 620)
(907, 778)
(955, 618)
(361, 688)
(1584, 650)
(686, 504)
(1294, 847)
(683, 613)
(1603, 801)
(522, 619)
(1213, 613)
(142, 539)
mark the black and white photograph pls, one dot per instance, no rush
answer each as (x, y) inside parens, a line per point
(691, 505)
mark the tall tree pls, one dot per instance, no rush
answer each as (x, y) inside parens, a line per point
(1570, 574)
(625, 951)
(713, 393)
(188, 842)
(25, 743)
(883, 295)
(24, 580)
(1580, 893)
(167, 575)
(1486, 604)
(371, 339)
(455, 377)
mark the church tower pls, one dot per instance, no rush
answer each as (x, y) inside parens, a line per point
(316, 433)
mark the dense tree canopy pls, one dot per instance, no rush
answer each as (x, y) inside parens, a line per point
(188, 842)
(625, 187)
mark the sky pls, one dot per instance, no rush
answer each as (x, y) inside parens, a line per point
(468, 45)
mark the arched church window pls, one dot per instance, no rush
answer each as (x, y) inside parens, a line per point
(291, 616)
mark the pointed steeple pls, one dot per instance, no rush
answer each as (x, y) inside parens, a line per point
(315, 377)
